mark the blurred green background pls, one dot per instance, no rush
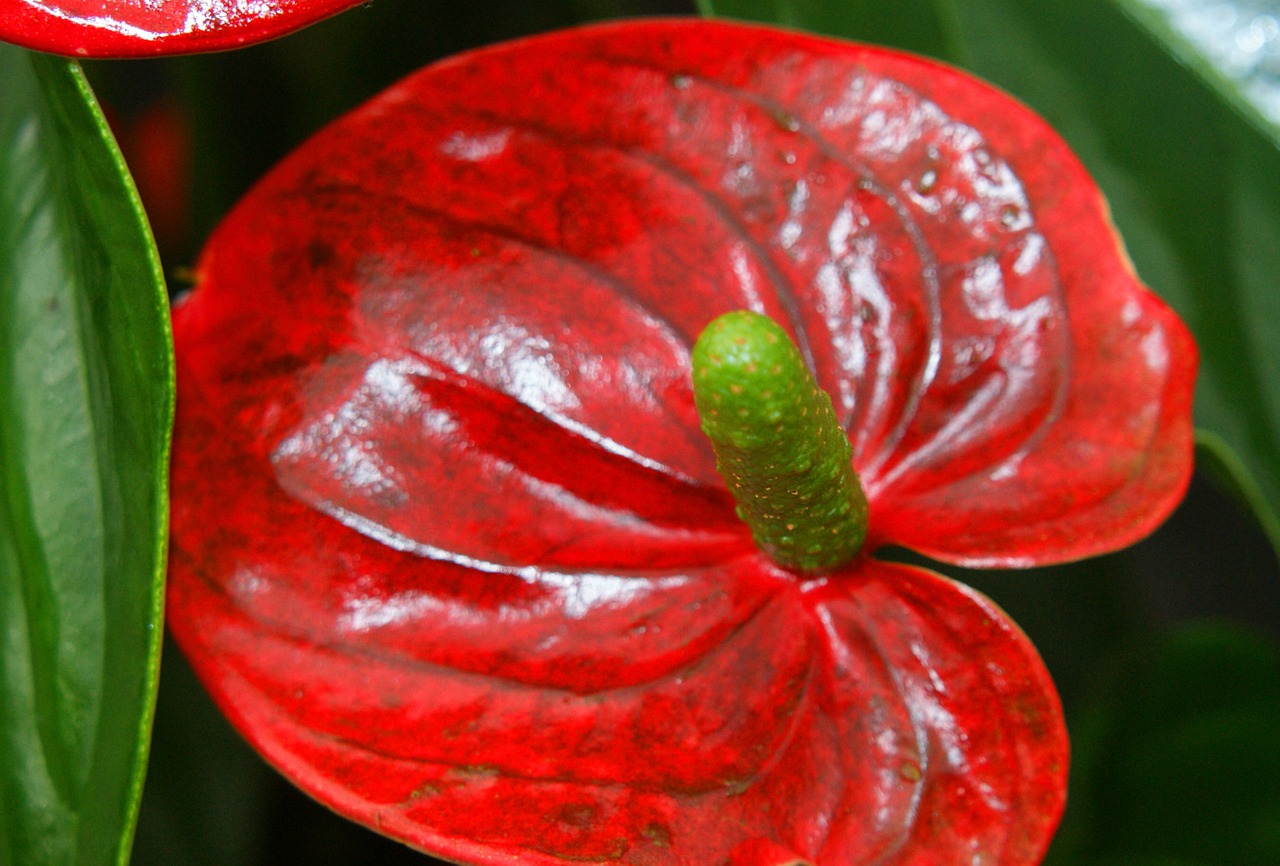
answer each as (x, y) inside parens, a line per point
(1167, 655)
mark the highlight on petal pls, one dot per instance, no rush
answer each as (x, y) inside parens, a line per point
(887, 716)
(139, 28)
(450, 548)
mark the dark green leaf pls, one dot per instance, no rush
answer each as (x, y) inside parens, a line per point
(1176, 759)
(86, 391)
(1194, 188)
(923, 26)
(1225, 466)
(1229, 44)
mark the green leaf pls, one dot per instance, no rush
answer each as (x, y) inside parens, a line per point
(1238, 318)
(1228, 470)
(86, 391)
(922, 26)
(1232, 46)
(1175, 760)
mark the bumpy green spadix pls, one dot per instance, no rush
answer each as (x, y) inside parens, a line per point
(778, 444)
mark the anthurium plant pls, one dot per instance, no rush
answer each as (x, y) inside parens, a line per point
(475, 580)
(571, 442)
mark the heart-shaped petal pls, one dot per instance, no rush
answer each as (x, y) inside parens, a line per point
(140, 28)
(473, 578)
(886, 716)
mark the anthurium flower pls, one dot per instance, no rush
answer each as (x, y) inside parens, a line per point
(139, 28)
(451, 549)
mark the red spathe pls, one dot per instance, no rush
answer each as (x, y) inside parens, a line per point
(142, 28)
(450, 548)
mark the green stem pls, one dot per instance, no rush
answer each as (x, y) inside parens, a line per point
(778, 444)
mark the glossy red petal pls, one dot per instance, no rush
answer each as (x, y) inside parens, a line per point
(1013, 394)
(449, 545)
(886, 716)
(140, 28)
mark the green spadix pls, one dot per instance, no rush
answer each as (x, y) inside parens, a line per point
(778, 444)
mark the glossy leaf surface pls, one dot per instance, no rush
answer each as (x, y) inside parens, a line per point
(473, 579)
(1230, 45)
(139, 28)
(86, 390)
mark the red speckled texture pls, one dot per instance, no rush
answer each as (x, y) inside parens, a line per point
(141, 28)
(448, 544)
